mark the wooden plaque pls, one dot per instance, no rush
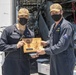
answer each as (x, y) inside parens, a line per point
(32, 45)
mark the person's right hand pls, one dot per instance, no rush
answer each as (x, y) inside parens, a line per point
(44, 43)
(20, 44)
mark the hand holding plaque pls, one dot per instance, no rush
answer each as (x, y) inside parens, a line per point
(32, 45)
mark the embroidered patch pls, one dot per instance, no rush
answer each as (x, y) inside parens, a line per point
(65, 36)
(58, 29)
(14, 33)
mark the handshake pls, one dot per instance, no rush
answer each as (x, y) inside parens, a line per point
(40, 51)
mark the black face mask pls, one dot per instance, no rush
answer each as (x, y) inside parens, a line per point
(56, 17)
(23, 21)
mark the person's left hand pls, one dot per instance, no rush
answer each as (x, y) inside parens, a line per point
(41, 52)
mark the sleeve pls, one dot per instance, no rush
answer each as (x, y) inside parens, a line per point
(4, 46)
(63, 43)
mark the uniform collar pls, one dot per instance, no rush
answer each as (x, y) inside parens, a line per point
(16, 30)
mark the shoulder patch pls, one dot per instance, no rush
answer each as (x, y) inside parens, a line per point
(65, 36)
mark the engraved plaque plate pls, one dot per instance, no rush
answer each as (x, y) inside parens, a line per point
(32, 44)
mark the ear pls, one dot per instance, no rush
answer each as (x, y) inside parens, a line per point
(61, 12)
(18, 19)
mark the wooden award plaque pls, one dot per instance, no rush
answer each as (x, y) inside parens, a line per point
(32, 45)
